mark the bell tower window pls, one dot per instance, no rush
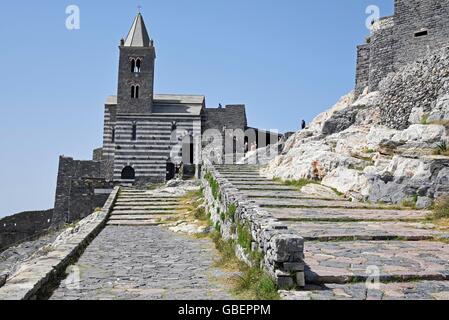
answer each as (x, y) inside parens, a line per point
(138, 66)
(135, 92)
(134, 132)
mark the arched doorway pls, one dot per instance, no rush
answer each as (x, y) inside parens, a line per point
(128, 173)
(171, 171)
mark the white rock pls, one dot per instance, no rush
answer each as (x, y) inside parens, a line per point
(426, 134)
(347, 181)
(416, 115)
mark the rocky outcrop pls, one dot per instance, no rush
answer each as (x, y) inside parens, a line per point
(381, 147)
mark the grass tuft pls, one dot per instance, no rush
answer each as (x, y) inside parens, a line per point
(298, 184)
(442, 149)
(213, 185)
(441, 208)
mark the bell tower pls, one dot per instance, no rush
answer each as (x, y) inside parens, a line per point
(136, 70)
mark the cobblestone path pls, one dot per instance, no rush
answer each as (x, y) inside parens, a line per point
(134, 258)
(348, 243)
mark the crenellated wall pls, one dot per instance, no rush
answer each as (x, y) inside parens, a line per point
(417, 28)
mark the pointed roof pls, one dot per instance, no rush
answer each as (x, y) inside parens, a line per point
(138, 35)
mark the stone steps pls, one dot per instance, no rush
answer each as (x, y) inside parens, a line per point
(251, 187)
(246, 180)
(337, 214)
(142, 208)
(347, 243)
(308, 203)
(136, 223)
(141, 212)
(136, 217)
(346, 231)
(287, 195)
(415, 290)
(139, 202)
(348, 261)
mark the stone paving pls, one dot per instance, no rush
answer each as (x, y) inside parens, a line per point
(335, 215)
(135, 258)
(330, 231)
(348, 242)
(415, 290)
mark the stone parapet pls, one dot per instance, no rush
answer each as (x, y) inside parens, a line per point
(231, 212)
(36, 276)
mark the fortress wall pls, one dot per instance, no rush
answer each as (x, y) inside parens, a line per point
(231, 116)
(75, 189)
(412, 16)
(381, 53)
(416, 29)
(362, 72)
(23, 226)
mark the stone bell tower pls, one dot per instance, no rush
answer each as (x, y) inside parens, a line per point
(136, 70)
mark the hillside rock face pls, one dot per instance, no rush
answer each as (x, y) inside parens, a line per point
(380, 147)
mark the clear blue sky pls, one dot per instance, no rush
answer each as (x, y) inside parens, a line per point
(285, 59)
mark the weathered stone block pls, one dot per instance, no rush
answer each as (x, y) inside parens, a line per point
(293, 266)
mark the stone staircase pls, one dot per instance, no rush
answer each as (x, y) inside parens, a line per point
(349, 243)
(140, 208)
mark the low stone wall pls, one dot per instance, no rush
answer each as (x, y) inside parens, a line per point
(35, 276)
(244, 222)
(25, 226)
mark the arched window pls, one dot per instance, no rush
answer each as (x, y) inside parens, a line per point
(133, 92)
(137, 92)
(128, 173)
(134, 132)
(138, 65)
(133, 65)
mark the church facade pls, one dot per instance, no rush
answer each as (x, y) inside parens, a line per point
(147, 137)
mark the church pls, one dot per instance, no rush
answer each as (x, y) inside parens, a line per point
(148, 137)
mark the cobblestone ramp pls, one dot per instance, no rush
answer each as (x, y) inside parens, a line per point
(136, 258)
(348, 243)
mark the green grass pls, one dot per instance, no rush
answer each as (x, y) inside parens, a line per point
(441, 208)
(410, 203)
(298, 184)
(252, 283)
(255, 284)
(369, 150)
(425, 119)
(442, 149)
(244, 237)
(215, 187)
(232, 210)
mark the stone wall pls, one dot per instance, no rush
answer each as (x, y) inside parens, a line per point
(362, 72)
(23, 226)
(419, 88)
(80, 189)
(231, 117)
(283, 257)
(417, 28)
(35, 278)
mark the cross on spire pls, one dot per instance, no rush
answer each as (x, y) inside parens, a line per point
(139, 8)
